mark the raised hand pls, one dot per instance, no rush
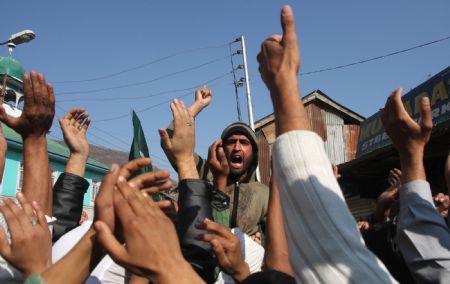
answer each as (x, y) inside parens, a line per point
(279, 58)
(150, 183)
(395, 178)
(279, 62)
(30, 247)
(218, 165)
(203, 97)
(408, 136)
(74, 126)
(227, 248)
(442, 203)
(152, 248)
(38, 110)
(180, 147)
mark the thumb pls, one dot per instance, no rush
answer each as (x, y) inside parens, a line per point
(426, 121)
(165, 140)
(288, 25)
(110, 243)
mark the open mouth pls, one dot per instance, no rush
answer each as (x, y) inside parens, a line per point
(236, 161)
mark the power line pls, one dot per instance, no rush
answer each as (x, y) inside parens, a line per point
(374, 58)
(141, 66)
(127, 98)
(162, 161)
(161, 103)
(147, 81)
(96, 136)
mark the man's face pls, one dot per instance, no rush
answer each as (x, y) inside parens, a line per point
(239, 152)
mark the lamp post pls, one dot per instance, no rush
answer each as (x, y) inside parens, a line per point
(19, 38)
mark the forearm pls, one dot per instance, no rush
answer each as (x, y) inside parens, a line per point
(186, 169)
(76, 266)
(36, 173)
(68, 193)
(289, 110)
(276, 256)
(412, 166)
(220, 183)
(315, 212)
(76, 164)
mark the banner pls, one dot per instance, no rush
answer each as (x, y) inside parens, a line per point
(372, 135)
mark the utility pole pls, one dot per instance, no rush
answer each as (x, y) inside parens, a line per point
(247, 84)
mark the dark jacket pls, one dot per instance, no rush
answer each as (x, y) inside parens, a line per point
(249, 198)
(196, 201)
(68, 194)
(253, 199)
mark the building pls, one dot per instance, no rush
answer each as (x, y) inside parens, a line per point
(366, 176)
(58, 154)
(337, 125)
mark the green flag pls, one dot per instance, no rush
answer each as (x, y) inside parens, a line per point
(139, 147)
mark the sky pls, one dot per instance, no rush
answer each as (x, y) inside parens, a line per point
(114, 56)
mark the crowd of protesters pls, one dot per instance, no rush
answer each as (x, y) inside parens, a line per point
(225, 227)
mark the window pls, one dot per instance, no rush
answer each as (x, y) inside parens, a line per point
(95, 189)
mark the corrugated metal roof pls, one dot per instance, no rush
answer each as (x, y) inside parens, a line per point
(316, 117)
(351, 134)
(264, 153)
(334, 145)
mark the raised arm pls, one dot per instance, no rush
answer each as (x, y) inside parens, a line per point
(389, 196)
(423, 236)
(194, 194)
(180, 145)
(321, 232)
(277, 251)
(76, 265)
(152, 249)
(33, 125)
(69, 189)
(203, 97)
(74, 126)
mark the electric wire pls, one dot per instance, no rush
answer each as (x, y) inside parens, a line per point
(139, 97)
(162, 161)
(141, 65)
(161, 103)
(374, 58)
(147, 81)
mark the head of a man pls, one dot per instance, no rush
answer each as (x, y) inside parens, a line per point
(239, 144)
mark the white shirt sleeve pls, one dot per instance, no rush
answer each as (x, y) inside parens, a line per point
(325, 245)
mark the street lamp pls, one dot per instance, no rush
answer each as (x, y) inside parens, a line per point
(19, 38)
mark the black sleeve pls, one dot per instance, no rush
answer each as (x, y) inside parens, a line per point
(68, 193)
(194, 205)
